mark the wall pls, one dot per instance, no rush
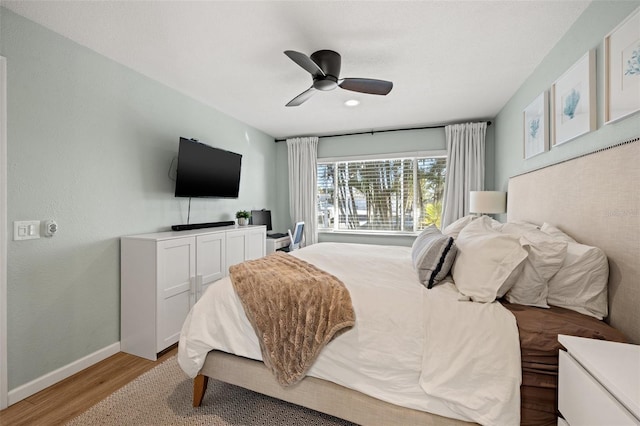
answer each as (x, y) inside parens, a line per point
(376, 143)
(90, 143)
(587, 33)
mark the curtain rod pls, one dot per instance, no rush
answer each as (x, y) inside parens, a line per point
(371, 132)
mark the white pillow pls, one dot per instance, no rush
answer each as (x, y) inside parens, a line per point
(556, 233)
(488, 261)
(453, 229)
(581, 282)
(545, 257)
(432, 254)
(519, 228)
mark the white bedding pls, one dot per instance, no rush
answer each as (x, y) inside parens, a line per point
(469, 369)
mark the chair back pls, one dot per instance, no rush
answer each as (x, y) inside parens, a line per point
(296, 236)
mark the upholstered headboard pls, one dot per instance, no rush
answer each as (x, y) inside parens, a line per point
(594, 198)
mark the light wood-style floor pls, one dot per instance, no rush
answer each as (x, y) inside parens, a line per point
(74, 395)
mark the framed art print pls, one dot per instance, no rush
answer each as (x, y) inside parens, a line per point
(622, 69)
(535, 127)
(574, 100)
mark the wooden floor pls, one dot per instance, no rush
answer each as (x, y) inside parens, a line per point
(74, 395)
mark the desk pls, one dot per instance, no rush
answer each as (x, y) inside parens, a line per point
(274, 244)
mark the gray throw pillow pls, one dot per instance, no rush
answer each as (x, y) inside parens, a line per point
(433, 254)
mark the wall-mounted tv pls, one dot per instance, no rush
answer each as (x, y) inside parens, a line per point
(205, 171)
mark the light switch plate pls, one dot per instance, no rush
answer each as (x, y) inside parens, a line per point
(26, 230)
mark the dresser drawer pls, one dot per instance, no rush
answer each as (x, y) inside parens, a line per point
(584, 401)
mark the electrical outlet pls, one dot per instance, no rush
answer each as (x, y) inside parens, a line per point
(26, 230)
(50, 228)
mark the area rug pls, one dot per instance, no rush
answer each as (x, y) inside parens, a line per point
(162, 396)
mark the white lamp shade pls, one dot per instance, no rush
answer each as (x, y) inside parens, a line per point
(487, 202)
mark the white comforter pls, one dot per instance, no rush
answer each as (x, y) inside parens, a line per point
(413, 347)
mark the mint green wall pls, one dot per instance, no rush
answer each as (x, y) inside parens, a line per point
(90, 143)
(377, 143)
(282, 222)
(587, 33)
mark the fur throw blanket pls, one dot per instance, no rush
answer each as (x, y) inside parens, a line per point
(295, 309)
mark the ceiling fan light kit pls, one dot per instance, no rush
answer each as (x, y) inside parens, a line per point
(324, 67)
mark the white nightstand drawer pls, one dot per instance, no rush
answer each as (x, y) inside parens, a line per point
(583, 401)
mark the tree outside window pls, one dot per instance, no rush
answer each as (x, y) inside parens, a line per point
(399, 195)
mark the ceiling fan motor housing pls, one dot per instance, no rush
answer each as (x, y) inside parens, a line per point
(325, 83)
(329, 62)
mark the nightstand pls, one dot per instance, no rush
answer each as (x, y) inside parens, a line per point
(598, 382)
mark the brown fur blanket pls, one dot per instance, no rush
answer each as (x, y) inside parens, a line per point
(295, 309)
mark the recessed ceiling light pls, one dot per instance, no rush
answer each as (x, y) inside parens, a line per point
(352, 103)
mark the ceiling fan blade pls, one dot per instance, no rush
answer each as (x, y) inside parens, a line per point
(366, 85)
(302, 97)
(305, 62)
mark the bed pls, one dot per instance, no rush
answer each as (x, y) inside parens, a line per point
(346, 393)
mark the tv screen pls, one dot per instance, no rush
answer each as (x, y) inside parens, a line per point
(205, 171)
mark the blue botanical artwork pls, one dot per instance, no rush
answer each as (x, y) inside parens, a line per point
(534, 126)
(633, 63)
(571, 104)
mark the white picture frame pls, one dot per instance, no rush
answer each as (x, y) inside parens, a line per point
(574, 100)
(622, 69)
(535, 128)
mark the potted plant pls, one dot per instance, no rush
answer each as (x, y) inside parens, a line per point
(243, 217)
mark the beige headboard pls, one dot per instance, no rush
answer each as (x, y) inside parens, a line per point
(594, 198)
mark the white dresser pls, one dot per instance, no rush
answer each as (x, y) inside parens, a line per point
(598, 382)
(163, 274)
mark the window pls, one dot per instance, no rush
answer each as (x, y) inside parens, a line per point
(393, 194)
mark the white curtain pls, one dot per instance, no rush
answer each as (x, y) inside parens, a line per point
(303, 155)
(465, 168)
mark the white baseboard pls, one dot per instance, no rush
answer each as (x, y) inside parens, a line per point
(43, 382)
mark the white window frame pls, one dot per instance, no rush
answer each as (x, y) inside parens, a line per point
(416, 155)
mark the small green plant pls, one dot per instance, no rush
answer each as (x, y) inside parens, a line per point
(243, 214)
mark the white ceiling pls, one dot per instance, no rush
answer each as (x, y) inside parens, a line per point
(449, 61)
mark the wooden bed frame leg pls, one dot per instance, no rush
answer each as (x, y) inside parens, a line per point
(199, 388)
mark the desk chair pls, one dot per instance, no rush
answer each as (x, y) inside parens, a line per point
(296, 237)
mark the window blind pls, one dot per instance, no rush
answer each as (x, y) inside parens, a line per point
(395, 194)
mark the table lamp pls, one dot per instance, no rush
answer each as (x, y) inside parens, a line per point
(487, 202)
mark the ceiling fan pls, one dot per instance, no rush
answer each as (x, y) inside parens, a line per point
(324, 67)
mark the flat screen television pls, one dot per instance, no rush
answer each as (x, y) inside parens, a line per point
(205, 171)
